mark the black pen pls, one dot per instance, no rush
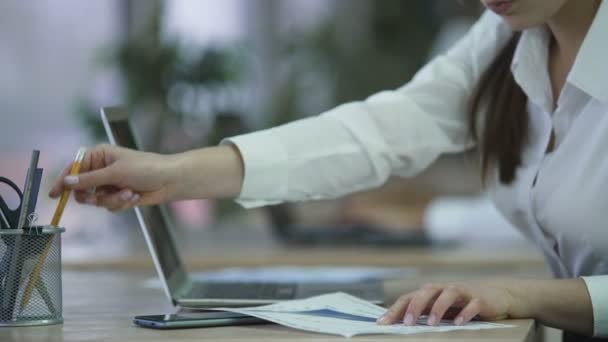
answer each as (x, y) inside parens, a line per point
(27, 191)
(15, 267)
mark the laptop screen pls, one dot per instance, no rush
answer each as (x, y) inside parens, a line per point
(162, 240)
(156, 229)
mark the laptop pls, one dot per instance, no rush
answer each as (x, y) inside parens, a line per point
(178, 286)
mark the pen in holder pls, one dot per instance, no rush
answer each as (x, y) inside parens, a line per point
(23, 252)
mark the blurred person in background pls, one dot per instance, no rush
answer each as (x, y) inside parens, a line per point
(526, 86)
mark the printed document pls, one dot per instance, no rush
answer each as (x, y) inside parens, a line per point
(345, 315)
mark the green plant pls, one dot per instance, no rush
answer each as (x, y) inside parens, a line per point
(381, 49)
(155, 72)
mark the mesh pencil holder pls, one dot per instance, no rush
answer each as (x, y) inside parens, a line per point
(30, 276)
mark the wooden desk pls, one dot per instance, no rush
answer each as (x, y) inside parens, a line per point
(100, 305)
(204, 256)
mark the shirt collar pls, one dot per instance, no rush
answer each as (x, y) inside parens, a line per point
(529, 65)
(590, 71)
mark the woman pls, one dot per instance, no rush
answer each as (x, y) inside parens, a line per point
(526, 85)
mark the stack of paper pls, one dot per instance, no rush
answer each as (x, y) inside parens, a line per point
(343, 314)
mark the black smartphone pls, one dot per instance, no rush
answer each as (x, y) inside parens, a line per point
(195, 320)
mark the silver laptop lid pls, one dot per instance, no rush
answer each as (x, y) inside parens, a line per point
(153, 219)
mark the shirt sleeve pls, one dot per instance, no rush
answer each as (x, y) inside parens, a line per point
(359, 145)
(598, 291)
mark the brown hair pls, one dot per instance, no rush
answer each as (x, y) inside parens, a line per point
(503, 132)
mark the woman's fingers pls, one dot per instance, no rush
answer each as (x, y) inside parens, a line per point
(448, 297)
(127, 205)
(58, 187)
(459, 301)
(85, 197)
(93, 171)
(117, 200)
(89, 196)
(419, 302)
(113, 200)
(91, 179)
(396, 311)
(472, 309)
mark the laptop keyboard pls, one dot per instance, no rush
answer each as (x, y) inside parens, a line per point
(276, 291)
(244, 291)
(369, 290)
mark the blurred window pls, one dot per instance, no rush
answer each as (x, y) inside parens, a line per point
(204, 22)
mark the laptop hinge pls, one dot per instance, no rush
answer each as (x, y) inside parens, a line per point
(185, 289)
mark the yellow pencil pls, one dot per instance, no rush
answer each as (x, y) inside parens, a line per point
(65, 196)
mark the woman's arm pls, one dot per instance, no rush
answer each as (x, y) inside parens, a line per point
(359, 145)
(563, 304)
(125, 178)
(354, 147)
(215, 172)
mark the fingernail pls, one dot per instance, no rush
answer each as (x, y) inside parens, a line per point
(458, 320)
(70, 180)
(135, 198)
(125, 196)
(382, 320)
(409, 319)
(432, 320)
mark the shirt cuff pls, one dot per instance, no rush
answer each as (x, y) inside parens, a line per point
(598, 291)
(265, 163)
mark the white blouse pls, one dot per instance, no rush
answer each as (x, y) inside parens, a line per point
(559, 200)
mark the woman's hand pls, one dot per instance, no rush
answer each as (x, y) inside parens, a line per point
(560, 303)
(117, 178)
(458, 301)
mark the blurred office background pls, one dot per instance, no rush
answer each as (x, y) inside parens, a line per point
(194, 71)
